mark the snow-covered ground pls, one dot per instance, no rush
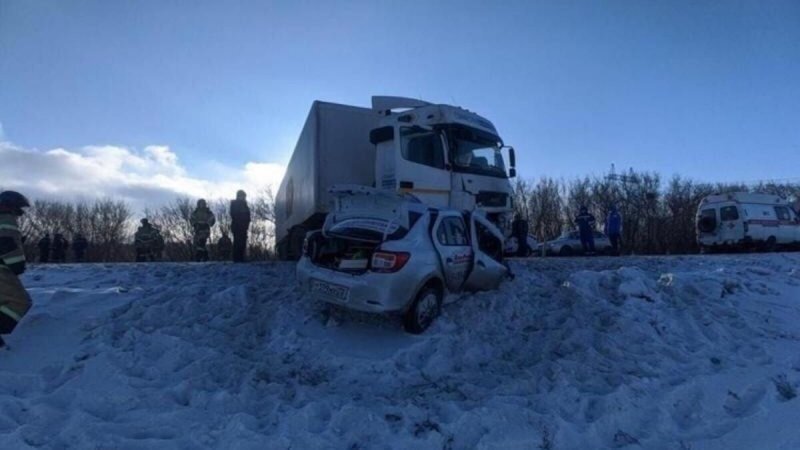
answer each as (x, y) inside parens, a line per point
(663, 352)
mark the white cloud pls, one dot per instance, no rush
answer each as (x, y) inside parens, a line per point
(147, 177)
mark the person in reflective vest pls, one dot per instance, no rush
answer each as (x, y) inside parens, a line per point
(146, 241)
(14, 300)
(202, 220)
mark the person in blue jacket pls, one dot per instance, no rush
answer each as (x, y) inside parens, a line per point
(614, 229)
(586, 222)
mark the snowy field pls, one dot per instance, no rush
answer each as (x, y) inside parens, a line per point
(663, 352)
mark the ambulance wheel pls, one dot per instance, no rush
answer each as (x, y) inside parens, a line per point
(423, 311)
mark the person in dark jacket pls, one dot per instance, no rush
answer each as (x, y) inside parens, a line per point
(519, 229)
(14, 299)
(586, 222)
(224, 246)
(79, 246)
(614, 229)
(59, 249)
(240, 223)
(44, 248)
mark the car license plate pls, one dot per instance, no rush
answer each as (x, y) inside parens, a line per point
(330, 290)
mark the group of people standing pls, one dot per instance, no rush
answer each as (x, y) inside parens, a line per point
(149, 242)
(55, 250)
(586, 223)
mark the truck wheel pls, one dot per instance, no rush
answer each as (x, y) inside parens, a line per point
(423, 311)
(565, 251)
(295, 243)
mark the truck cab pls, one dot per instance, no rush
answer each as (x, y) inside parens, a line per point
(444, 155)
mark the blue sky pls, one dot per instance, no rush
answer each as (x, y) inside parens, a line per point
(710, 90)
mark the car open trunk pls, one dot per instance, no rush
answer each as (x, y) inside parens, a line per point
(362, 218)
(346, 255)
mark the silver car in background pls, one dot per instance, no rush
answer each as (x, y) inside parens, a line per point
(569, 244)
(384, 252)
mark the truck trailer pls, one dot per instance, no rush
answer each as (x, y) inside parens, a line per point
(333, 148)
(444, 155)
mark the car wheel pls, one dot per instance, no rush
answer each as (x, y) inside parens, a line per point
(771, 245)
(565, 251)
(423, 311)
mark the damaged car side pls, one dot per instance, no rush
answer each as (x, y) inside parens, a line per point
(385, 252)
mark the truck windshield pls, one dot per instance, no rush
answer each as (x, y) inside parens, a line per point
(477, 153)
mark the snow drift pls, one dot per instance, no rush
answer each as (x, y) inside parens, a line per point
(667, 352)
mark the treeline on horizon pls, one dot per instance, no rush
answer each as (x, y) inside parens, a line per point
(658, 216)
(109, 226)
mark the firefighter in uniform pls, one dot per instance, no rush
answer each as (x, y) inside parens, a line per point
(14, 300)
(202, 220)
(146, 242)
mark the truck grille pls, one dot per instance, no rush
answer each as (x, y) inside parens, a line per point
(488, 198)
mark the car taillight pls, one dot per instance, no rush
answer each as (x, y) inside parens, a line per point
(387, 262)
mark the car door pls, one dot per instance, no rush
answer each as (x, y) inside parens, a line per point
(487, 246)
(451, 240)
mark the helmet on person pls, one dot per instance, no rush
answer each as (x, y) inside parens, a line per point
(240, 195)
(145, 222)
(13, 201)
(202, 203)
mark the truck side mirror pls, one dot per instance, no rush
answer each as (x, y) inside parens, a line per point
(512, 158)
(512, 172)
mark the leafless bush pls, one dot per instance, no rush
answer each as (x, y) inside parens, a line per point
(105, 223)
(657, 218)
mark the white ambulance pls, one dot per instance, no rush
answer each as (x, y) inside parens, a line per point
(746, 220)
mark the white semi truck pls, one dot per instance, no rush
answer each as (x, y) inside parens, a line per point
(444, 155)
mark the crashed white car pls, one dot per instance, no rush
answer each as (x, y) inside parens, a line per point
(383, 252)
(569, 244)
